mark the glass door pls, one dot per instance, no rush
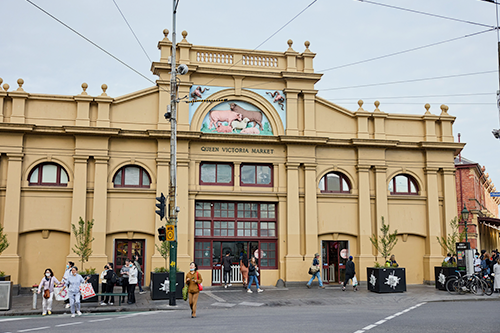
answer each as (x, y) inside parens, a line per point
(335, 256)
(127, 249)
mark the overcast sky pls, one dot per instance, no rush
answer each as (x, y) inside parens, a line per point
(52, 59)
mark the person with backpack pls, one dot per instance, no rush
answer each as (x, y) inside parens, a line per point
(111, 279)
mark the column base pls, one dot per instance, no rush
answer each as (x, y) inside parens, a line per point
(297, 268)
(362, 262)
(11, 265)
(429, 263)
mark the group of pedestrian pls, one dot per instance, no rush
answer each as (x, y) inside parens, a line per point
(350, 272)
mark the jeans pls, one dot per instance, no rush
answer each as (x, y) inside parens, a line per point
(74, 301)
(227, 277)
(109, 289)
(314, 276)
(131, 293)
(252, 278)
(139, 281)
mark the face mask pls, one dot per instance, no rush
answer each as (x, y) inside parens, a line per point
(47, 274)
(191, 269)
(130, 265)
(74, 274)
(67, 266)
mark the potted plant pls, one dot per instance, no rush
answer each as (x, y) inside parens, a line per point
(385, 279)
(159, 282)
(83, 249)
(448, 267)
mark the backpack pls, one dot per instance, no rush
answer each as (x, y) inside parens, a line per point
(114, 278)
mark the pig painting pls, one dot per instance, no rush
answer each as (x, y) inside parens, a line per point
(217, 116)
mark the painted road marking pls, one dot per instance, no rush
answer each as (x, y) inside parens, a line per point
(34, 329)
(69, 324)
(251, 304)
(96, 320)
(12, 319)
(369, 327)
(217, 298)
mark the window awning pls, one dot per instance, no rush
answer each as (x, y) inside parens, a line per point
(490, 222)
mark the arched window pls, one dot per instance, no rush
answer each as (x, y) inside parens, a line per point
(48, 174)
(132, 176)
(334, 182)
(403, 184)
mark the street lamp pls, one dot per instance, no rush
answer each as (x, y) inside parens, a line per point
(465, 217)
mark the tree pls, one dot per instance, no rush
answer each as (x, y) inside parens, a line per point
(3, 241)
(387, 240)
(84, 239)
(448, 242)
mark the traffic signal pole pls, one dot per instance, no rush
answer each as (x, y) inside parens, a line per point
(172, 197)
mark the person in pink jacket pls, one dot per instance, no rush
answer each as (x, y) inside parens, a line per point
(47, 283)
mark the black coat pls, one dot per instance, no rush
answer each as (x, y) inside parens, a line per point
(350, 269)
(226, 263)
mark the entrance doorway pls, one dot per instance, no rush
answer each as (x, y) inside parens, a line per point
(127, 249)
(335, 254)
(235, 250)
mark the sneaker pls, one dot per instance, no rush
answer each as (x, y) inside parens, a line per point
(259, 290)
(225, 286)
(142, 292)
(308, 286)
(322, 287)
(67, 306)
(73, 315)
(49, 312)
(343, 288)
(79, 313)
(43, 314)
(110, 303)
(230, 285)
(102, 303)
(249, 291)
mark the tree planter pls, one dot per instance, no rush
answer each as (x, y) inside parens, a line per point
(159, 289)
(442, 275)
(5, 278)
(386, 280)
(5, 295)
(94, 280)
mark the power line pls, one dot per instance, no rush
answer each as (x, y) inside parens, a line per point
(406, 51)
(425, 13)
(414, 103)
(91, 42)
(290, 21)
(423, 96)
(408, 81)
(137, 39)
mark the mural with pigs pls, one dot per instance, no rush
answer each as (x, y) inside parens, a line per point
(236, 117)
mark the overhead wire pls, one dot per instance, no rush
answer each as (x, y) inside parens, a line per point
(421, 96)
(93, 43)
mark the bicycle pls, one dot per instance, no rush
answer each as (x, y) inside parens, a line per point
(467, 283)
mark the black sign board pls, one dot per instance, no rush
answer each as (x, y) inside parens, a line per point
(461, 247)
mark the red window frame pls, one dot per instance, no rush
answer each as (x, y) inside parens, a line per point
(342, 178)
(270, 166)
(39, 169)
(142, 172)
(409, 179)
(231, 183)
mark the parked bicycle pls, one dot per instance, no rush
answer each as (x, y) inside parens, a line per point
(469, 283)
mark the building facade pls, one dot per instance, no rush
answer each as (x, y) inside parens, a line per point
(265, 166)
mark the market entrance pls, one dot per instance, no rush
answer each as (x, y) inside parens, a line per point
(334, 254)
(236, 250)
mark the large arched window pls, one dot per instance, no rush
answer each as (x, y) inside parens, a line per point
(132, 176)
(403, 184)
(48, 174)
(334, 182)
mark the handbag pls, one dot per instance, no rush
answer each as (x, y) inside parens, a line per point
(314, 269)
(61, 293)
(200, 286)
(185, 292)
(87, 290)
(354, 281)
(46, 293)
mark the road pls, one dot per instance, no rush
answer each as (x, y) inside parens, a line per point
(352, 318)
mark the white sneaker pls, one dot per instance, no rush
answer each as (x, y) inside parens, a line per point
(259, 290)
(249, 291)
(73, 315)
(230, 285)
(225, 286)
(67, 306)
(142, 292)
(110, 303)
(102, 303)
(79, 313)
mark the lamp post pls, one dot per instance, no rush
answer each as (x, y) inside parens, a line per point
(465, 217)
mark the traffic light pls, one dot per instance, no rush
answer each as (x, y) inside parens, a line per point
(162, 234)
(161, 205)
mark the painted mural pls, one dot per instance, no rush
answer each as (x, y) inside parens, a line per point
(236, 117)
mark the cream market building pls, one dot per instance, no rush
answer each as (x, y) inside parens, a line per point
(265, 166)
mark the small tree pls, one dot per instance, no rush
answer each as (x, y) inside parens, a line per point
(448, 242)
(3, 241)
(164, 250)
(84, 239)
(385, 243)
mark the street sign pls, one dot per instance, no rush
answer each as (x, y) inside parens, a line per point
(170, 233)
(495, 194)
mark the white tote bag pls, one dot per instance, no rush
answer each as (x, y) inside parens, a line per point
(61, 293)
(354, 281)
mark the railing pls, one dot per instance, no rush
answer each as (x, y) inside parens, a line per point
(236, 276)
(216, 58)
(261, 61)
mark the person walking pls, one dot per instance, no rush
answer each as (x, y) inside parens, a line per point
(124, 272)
(193, 280)
(47, 286)
(350, 273)
(244, 269)
(226, 266)
(316, 272)
(67, 273)
(103, 282)
(140, 274)
(111, 279)
(253, 271)
(132, 282)
(496, 270)
(73, 284)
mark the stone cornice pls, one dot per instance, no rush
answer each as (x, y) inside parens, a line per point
(91, 130)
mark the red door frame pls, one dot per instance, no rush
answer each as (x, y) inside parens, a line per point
(119, 260)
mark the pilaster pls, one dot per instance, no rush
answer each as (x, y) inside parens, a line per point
(293, 257)
(79, 204)
(99, 213)
(162, 185)
(362, 121)
(309, 113)
(311, 211)
(18, 104)
(292, 111)
(432, 256)
(103, 106)
(449, 200)
(381, 195)
(365, 251)
(83, 107)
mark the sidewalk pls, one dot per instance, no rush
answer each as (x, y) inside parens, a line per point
(296, 295)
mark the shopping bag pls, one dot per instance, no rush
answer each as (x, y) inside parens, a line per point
(185, 292)
(87, 290)
(354, 281)
(61, 293)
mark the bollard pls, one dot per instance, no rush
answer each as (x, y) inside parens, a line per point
(34, 290)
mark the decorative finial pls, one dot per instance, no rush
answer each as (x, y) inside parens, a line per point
(290, 42)
(360, 103)
(6, 87)
(165, 33)
(20, 82)
(427, 107)
(104, 87)
(444, 109)
(377, 103)
(306, 44)
(184, 35)
(1, 80)
(84, 87)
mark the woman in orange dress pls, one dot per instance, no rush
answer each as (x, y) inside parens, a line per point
(193, 279)
(244, 269)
